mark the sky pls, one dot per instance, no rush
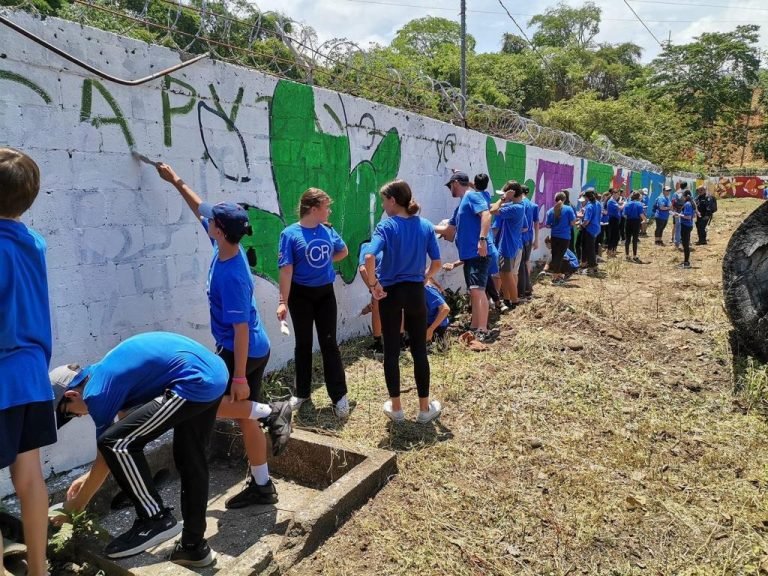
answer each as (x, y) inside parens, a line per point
(366, 21)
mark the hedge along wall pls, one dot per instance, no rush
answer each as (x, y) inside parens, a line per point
(125, 255)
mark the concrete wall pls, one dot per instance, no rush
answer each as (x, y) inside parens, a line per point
(126, 256)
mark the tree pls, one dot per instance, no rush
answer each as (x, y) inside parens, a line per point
(423, 37)
(564, 25)
(513, 44)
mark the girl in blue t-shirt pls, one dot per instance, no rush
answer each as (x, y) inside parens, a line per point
(560, 219)
(405, 240)
(590, 228)
(308, 250)
(687, 215)
(634, 212)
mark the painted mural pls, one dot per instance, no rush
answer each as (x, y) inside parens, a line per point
(126, 256)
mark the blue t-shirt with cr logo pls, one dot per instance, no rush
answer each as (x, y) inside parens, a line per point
(688, 210)
(405, 244)
(468, 216)
(143, 367)
(531, 219)
(614, 211)
(511, 218)
(434, 301)
(592, 213)
(310, 251)
(633, 210)
(562, 227)
(662, 202)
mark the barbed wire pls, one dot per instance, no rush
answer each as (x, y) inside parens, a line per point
(239, 32)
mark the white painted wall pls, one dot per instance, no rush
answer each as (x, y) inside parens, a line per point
(125, 255)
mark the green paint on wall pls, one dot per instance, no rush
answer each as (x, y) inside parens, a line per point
(636, 181)
(235, 106)
(87, 105)
(12, 77)
(170, 111)
(599, 175)
(507, 165)
(302, 157)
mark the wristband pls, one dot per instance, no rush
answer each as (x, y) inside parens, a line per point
(242, 380)
(373, 285)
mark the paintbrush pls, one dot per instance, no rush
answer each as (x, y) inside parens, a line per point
(142, 158)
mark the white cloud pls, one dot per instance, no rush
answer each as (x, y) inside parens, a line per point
(365, 21)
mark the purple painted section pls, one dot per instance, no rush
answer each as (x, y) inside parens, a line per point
(551, 177)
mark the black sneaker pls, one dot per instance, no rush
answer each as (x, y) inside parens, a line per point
(143, 535)
(253, 494)
(197, 555)
(278, 424)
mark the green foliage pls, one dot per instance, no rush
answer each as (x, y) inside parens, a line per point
(423, 37)
(563, 26)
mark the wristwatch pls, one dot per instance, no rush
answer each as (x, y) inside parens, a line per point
(483, 238)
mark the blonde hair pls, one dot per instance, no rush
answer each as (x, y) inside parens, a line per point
(312, 198)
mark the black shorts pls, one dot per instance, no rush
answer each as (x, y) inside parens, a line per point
(24, 428)
(254, 372)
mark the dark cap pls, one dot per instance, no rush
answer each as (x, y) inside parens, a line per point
(64, 378)
(230, 217)
(459, 177)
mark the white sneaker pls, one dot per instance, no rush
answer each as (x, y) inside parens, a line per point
(434, 412)
(395, 416)
(296, 402)
(504, 308)
(341, 408)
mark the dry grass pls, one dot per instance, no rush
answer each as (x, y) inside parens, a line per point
(632, 456)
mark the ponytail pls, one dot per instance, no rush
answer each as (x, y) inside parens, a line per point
(560, 198)
(413, 208)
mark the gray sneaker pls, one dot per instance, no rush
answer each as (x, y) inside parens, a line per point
(435, 408)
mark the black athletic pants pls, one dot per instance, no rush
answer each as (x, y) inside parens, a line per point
(405, 300)
(685, 239)
(559, 246)
(632, 235)
(122, 447)
(613, 233)
(622, 228)
(316, 306)
(524, 286)
(660, 225)
(701, 228)
(589, 249)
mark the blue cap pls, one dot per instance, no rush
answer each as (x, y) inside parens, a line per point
(230, 217)
(460, 177)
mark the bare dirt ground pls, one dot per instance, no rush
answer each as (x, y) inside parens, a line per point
(633, 455)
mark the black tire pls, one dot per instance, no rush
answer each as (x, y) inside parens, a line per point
(745, 282)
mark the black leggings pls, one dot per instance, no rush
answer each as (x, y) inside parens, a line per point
(316, 305)
(589, 249)
(559, 246)
(405, 300)
(685, 238)
(660, 225)
(632, 235)
(613, 233)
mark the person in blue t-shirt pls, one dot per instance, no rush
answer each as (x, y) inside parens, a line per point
(661, 211)
(26, 417)
(569, 264)
(472, 225)
(530, 243)
(404, 240)
(241, 340)
(437, 313)
(493, 285)
(152, 382)
(590, 228)
(308, 250)
(510, 212)
(635, 215)
(560, 219)
(687, 215)
(644, 200)
(613, 208)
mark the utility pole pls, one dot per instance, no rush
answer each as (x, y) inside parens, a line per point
(464, 61)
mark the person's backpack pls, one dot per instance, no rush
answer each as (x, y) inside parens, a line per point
(712, 204)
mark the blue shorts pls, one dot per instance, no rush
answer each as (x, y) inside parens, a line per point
(24, 428)
(476, 272)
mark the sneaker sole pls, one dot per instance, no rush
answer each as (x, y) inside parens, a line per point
(159, 539)
(207, 561)
(238, 505)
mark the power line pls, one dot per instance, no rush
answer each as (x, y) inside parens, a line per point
(702, 5)
(644, 25)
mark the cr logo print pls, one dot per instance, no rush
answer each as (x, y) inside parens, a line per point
(318, 253)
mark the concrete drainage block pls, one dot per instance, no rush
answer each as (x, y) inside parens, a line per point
(320, 481)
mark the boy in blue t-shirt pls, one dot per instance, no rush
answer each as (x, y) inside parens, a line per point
(241, 340)
(26, 416)
(153, 382)
(437, 313)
